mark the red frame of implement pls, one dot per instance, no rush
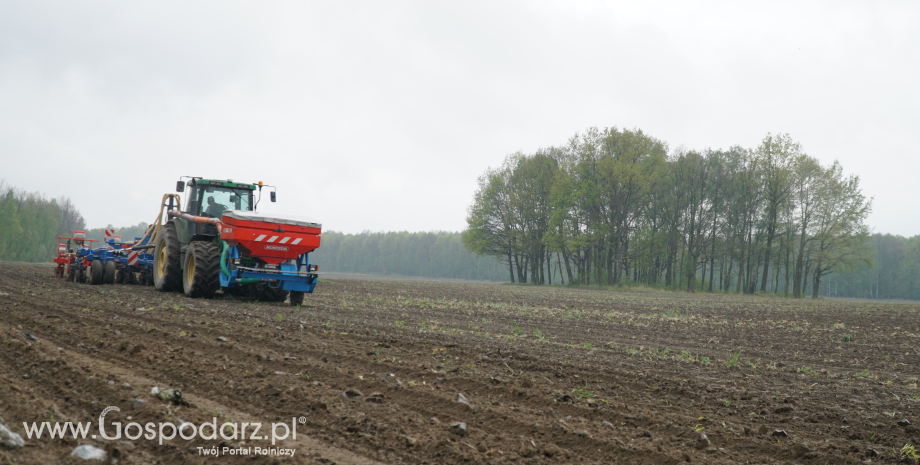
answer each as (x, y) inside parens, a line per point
(67, 257)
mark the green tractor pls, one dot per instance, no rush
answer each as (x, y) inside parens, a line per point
(221, 241)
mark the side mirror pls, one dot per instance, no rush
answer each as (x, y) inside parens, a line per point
(273, 196)
(180, 186)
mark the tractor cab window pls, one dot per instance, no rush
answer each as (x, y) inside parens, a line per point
(213, 200)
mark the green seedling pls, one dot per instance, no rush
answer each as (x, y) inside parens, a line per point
(734, 359)
(583, 393)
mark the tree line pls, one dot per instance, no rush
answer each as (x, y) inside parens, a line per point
(425, 254)
(31, 222)
(614, 206)
(879, 267)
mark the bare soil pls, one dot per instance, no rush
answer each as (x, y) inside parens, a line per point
(378, 369)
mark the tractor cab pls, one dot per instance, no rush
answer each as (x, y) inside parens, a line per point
(209, 198)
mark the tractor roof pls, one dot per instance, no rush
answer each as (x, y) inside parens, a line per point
(214, 182)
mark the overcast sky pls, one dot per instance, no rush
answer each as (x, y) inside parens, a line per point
(380, 115)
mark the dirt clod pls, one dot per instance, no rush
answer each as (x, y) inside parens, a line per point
(527, 450)
(799, 450)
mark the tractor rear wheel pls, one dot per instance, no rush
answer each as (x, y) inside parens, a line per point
(202, 270)
(109, 273)
(296, 298)
(167, 273)
(96, 272)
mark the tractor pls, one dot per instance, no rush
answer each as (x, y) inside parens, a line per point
(220, 242)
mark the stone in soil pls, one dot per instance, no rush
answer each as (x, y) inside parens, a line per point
(563, 397)
(780, 433)
(170, 395)
(88, 452)
(702, 442)
(458, 428)
(10, 439)
(222, 339)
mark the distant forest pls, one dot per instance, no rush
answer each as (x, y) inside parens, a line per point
(428, 254)
(31, 222)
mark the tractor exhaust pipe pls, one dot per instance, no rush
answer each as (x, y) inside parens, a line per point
(193, 218)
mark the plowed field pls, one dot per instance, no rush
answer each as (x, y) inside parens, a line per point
(381, 371)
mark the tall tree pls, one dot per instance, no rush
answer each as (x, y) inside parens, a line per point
(775, 156)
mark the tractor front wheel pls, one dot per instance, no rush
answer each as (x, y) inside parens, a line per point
(96, 272)
(109, 273)
(167, 273)
(202, 270)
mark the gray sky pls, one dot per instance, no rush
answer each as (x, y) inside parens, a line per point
(380, 115)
